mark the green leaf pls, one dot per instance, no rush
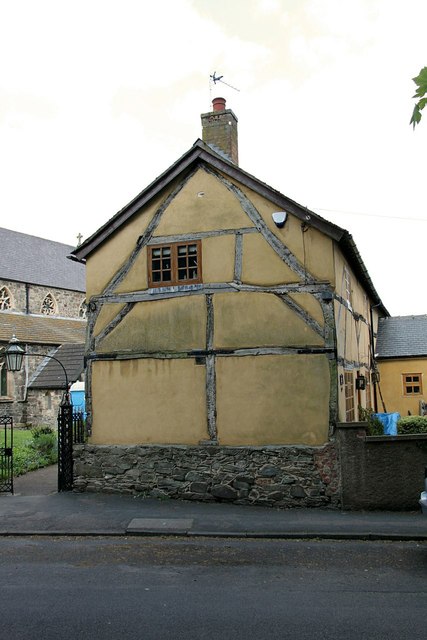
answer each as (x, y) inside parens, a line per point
(421, 82)
(416, 116)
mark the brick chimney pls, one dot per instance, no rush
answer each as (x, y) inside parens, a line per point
(219, 130)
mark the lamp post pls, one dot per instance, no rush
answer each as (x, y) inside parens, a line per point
(14, 354)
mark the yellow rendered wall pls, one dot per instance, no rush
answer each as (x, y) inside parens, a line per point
(352, 334)
(137, 277)
(257, 320)
(176, 324)
(308, 303)
(204, 204)
(261, 265)
(310, 247)
(273, 400)
(103, 263)
(148, 401)
(218, 259)
(391, 384)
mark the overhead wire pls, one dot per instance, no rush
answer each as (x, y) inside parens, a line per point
(372, 215)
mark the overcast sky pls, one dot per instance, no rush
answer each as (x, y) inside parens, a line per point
(98, 97)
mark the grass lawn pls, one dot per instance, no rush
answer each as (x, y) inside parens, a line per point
(27, 454)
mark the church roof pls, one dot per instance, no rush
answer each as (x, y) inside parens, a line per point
(50, 375)
(25, 258)
(41, 329)
(402, 337)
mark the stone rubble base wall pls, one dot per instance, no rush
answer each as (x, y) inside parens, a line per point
(280, 476)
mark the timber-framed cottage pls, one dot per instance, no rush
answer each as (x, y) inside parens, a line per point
(230, 329)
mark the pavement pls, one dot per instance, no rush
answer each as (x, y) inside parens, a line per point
(36, 508)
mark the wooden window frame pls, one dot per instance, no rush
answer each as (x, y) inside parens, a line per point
(174, 264)
(350, 411)
(412, 383)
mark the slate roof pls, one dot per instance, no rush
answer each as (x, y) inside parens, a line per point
(25, 258)
(201, 153)
(41, 329)
(50, 375)
(402, 337)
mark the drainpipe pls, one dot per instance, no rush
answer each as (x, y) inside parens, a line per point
(27, 298)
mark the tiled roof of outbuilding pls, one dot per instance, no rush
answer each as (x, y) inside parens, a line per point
(402, 336)
(50, 375)
(41, 329)
(25, 258)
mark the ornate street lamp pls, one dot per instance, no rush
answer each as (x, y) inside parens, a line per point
(14, 354)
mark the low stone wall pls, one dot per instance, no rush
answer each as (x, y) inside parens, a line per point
(282, 476)
(380, 472)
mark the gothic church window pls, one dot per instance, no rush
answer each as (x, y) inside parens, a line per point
(5, 299)
(49, 306)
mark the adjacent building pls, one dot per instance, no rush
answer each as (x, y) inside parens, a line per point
(401, 352)
(42, 302)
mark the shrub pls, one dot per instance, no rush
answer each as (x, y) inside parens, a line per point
(412, 424)
(44, 444)
(42, 431)
(375, 426)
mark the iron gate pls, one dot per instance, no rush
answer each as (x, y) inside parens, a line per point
(71, 430)
(6, 455)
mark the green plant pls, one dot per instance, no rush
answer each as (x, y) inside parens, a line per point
(26, 456)
(374, 425)
(412, 424)
(43, 430)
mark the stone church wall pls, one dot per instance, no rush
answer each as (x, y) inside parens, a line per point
(29, 299)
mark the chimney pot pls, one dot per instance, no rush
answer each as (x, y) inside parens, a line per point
(218, 104)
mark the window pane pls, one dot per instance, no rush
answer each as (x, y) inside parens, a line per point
(192, 248)
(166, 251)
(192, 261)
(167, 276)
(156, 253)
(182, 251)
(182, 262)
(156, 265)
(156, 276)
